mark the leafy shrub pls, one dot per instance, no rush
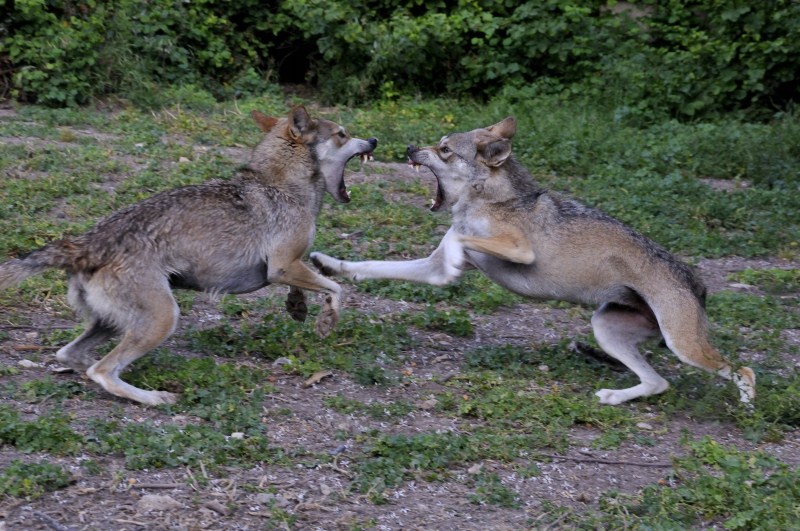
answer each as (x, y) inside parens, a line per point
(684, 57)
(128, 46)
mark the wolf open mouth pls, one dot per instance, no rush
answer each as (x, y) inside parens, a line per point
(365, 156)
(439, 200)
(344, 196)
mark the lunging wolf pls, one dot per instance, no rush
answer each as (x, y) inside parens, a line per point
(231, 236)
(541, 245)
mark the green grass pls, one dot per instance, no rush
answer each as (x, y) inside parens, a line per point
(509, 402)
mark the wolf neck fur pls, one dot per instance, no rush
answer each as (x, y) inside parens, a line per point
(516, 183)
(288, 175)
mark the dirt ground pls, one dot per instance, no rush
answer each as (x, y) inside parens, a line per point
(318, 496)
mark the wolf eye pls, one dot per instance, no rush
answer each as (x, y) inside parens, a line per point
(444, 149)
(341, 134)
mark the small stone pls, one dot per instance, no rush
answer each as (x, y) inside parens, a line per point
(183, 160)
(644, 426)
(154, 502)
(475, 469)
(28, 364)
(281, 361)
(425, 405)
(237, 435)
(544, 368)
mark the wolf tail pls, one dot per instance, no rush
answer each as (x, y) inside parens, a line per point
(61, 254)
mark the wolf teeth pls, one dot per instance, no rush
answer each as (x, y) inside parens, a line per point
(416, 167)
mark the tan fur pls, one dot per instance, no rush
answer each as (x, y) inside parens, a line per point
(222, 237)
(542, 245)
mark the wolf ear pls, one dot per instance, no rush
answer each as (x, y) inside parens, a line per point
(266, 123)
(299, 122)
(493, 150)
(506, 128)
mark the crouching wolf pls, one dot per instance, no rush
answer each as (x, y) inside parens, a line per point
(231, 236)
(541, 245)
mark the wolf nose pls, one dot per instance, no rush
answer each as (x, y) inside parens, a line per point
(411, 149)
(373, 142)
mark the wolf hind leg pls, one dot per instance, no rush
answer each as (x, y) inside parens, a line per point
(618, 330)
(685, 331)
(78, 353)
(146, 318)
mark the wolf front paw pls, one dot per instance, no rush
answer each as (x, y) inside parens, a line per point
(296, 305)
(327, 265)
(325, 323)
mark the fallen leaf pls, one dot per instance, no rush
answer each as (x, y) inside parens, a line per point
(317, 377)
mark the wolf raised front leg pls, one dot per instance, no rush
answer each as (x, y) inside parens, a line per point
(297, 275)
(512, 247)
(443, 266)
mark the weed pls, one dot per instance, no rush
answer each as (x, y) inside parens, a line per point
(228, 396)
(377, 410)
(145, 445)
(771, 280)
(741, 490)
(31, 480)
(50, 432)
(360, 344)
(48, 388)
(489, 490)
(452, 321)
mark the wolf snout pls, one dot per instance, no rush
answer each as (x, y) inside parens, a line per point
(412, 150)
(373, 142)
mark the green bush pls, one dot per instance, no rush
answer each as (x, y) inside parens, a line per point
(65, 53)
(682, 57)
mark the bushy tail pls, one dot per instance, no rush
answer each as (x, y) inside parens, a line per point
(60, 254)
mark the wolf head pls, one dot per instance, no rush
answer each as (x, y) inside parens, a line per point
(330, 145)
(463, 160)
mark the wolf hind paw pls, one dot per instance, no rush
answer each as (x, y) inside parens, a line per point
(159, 398)
(77, 363)
(613, 397)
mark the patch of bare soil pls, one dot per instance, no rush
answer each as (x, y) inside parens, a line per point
(318, 495)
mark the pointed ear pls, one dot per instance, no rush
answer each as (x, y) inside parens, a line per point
(299, 121)
(492, 150)
(266, 123)
(506, 128)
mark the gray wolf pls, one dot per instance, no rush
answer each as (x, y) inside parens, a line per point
(232, 236)
(541, 245)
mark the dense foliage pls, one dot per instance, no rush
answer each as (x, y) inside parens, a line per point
(684, 57)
